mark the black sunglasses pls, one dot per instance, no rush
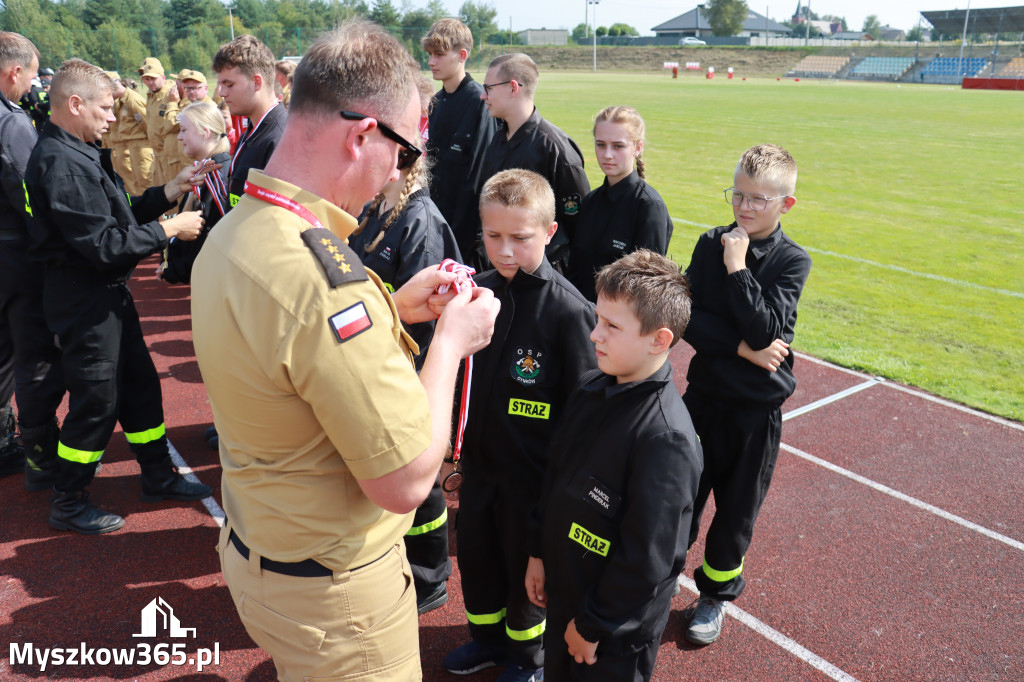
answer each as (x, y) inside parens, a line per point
(407, 151)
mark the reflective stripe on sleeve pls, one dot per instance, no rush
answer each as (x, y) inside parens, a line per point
(431, 525)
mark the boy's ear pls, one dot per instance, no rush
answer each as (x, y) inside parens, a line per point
(463, 55)
(788, 203)
(551, 232)
(661, 342)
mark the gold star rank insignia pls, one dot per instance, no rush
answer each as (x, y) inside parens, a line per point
(337, 259)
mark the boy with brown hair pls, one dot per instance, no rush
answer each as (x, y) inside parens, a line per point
(745, 280)
(613, 516)
(460, 131)
(519, 386)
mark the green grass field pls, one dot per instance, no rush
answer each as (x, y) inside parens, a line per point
(911, 203)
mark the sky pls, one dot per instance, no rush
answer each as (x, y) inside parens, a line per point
(644, 15)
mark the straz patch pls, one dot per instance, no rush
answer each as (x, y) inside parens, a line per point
(528, 365)
(528, 408)
(599, 495)
(571, 204)
(350, 322)
(578, 533)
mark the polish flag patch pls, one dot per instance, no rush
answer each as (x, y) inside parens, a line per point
(350, 322)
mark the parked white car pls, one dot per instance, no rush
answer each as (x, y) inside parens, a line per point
(690, 40)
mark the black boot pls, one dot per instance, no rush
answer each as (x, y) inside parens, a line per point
(41, 455)
(12, 455)
(161, 481)
(73, 511)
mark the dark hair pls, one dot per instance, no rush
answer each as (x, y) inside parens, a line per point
(248, 55)
(654, 286)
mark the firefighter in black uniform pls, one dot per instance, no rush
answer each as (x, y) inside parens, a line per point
(85, 229)
(614, 515)
(36, 359)
(525, 140)
(520, 383)
(460, 132)
(37, 100)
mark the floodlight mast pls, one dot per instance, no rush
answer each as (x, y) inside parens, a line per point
(595, 3)
(963, 39)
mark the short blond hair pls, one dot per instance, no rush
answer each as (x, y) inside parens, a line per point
(248, 54)
(16, 50)
(447, 35)
(769, 164)
(79, 77)
(518, 188)
(518, 67)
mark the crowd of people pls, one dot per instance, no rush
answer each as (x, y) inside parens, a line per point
(402, 300)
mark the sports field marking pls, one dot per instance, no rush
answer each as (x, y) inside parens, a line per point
(1017, 426)
(185, 470)
(810, 407)
(924, 506)
(895, 268)
(809, 657)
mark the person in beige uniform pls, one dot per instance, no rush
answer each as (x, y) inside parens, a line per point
(195, 86)
(174, 156)
(328, 439)
(162, 94)
(132, 143)
(111, 139)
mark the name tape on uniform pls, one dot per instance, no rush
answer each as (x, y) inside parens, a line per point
(578, 533)
(528, 408)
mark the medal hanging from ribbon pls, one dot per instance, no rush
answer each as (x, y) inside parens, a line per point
(465, 274)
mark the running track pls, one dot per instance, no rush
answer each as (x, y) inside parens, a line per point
(891, 546)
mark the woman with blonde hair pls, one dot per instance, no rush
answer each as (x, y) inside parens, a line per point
(623, 214)
(203, 139)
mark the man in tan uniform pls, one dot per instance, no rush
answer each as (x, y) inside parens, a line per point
(137, 155)
(174, 158)
(158, 101)
(111, 139)
(195, 86)
(328, 439)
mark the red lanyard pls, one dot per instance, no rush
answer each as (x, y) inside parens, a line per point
(284, 202)
(248, 136)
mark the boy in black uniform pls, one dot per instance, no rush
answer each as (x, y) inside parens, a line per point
(745, 280)
(623, 472)
(245, 79)
(86, 231)
(460, 131)
(525, 140)
(520, 383)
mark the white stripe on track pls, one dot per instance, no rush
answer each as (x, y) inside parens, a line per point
(760, 627)
(924, 506)
(917, 393)
(810, 407)
(183, 468)
(894, 268)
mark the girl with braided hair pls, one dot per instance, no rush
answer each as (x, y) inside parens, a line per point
(623, 214)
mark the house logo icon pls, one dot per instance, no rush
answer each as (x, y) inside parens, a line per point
(158, 615)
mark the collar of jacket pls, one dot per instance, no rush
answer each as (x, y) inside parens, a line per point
(762, 247)
(606, 383)
(53, 130)
(624, 186)
(526, 129)
(521, 281)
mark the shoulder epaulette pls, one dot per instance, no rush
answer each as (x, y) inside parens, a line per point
(340, 263)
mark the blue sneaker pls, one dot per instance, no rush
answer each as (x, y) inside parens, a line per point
(514, 673)
(472, 657)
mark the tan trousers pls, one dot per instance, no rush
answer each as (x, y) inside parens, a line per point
(356, 625)
(140, 165)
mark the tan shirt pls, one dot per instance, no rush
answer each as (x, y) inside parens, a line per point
(301, 414)
(130, 110)
(157, 104)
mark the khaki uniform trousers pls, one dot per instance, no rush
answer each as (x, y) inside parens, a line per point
(356, 625)
(140, 165)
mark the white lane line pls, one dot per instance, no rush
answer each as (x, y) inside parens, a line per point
(760, 627)
(895, 268)
(185, 470)
(810, 407)
(924, 506)
(919, 394)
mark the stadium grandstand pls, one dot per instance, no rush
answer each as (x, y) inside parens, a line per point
(818, 66)
(889, 68)
(952, 69)
(1015, 69)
